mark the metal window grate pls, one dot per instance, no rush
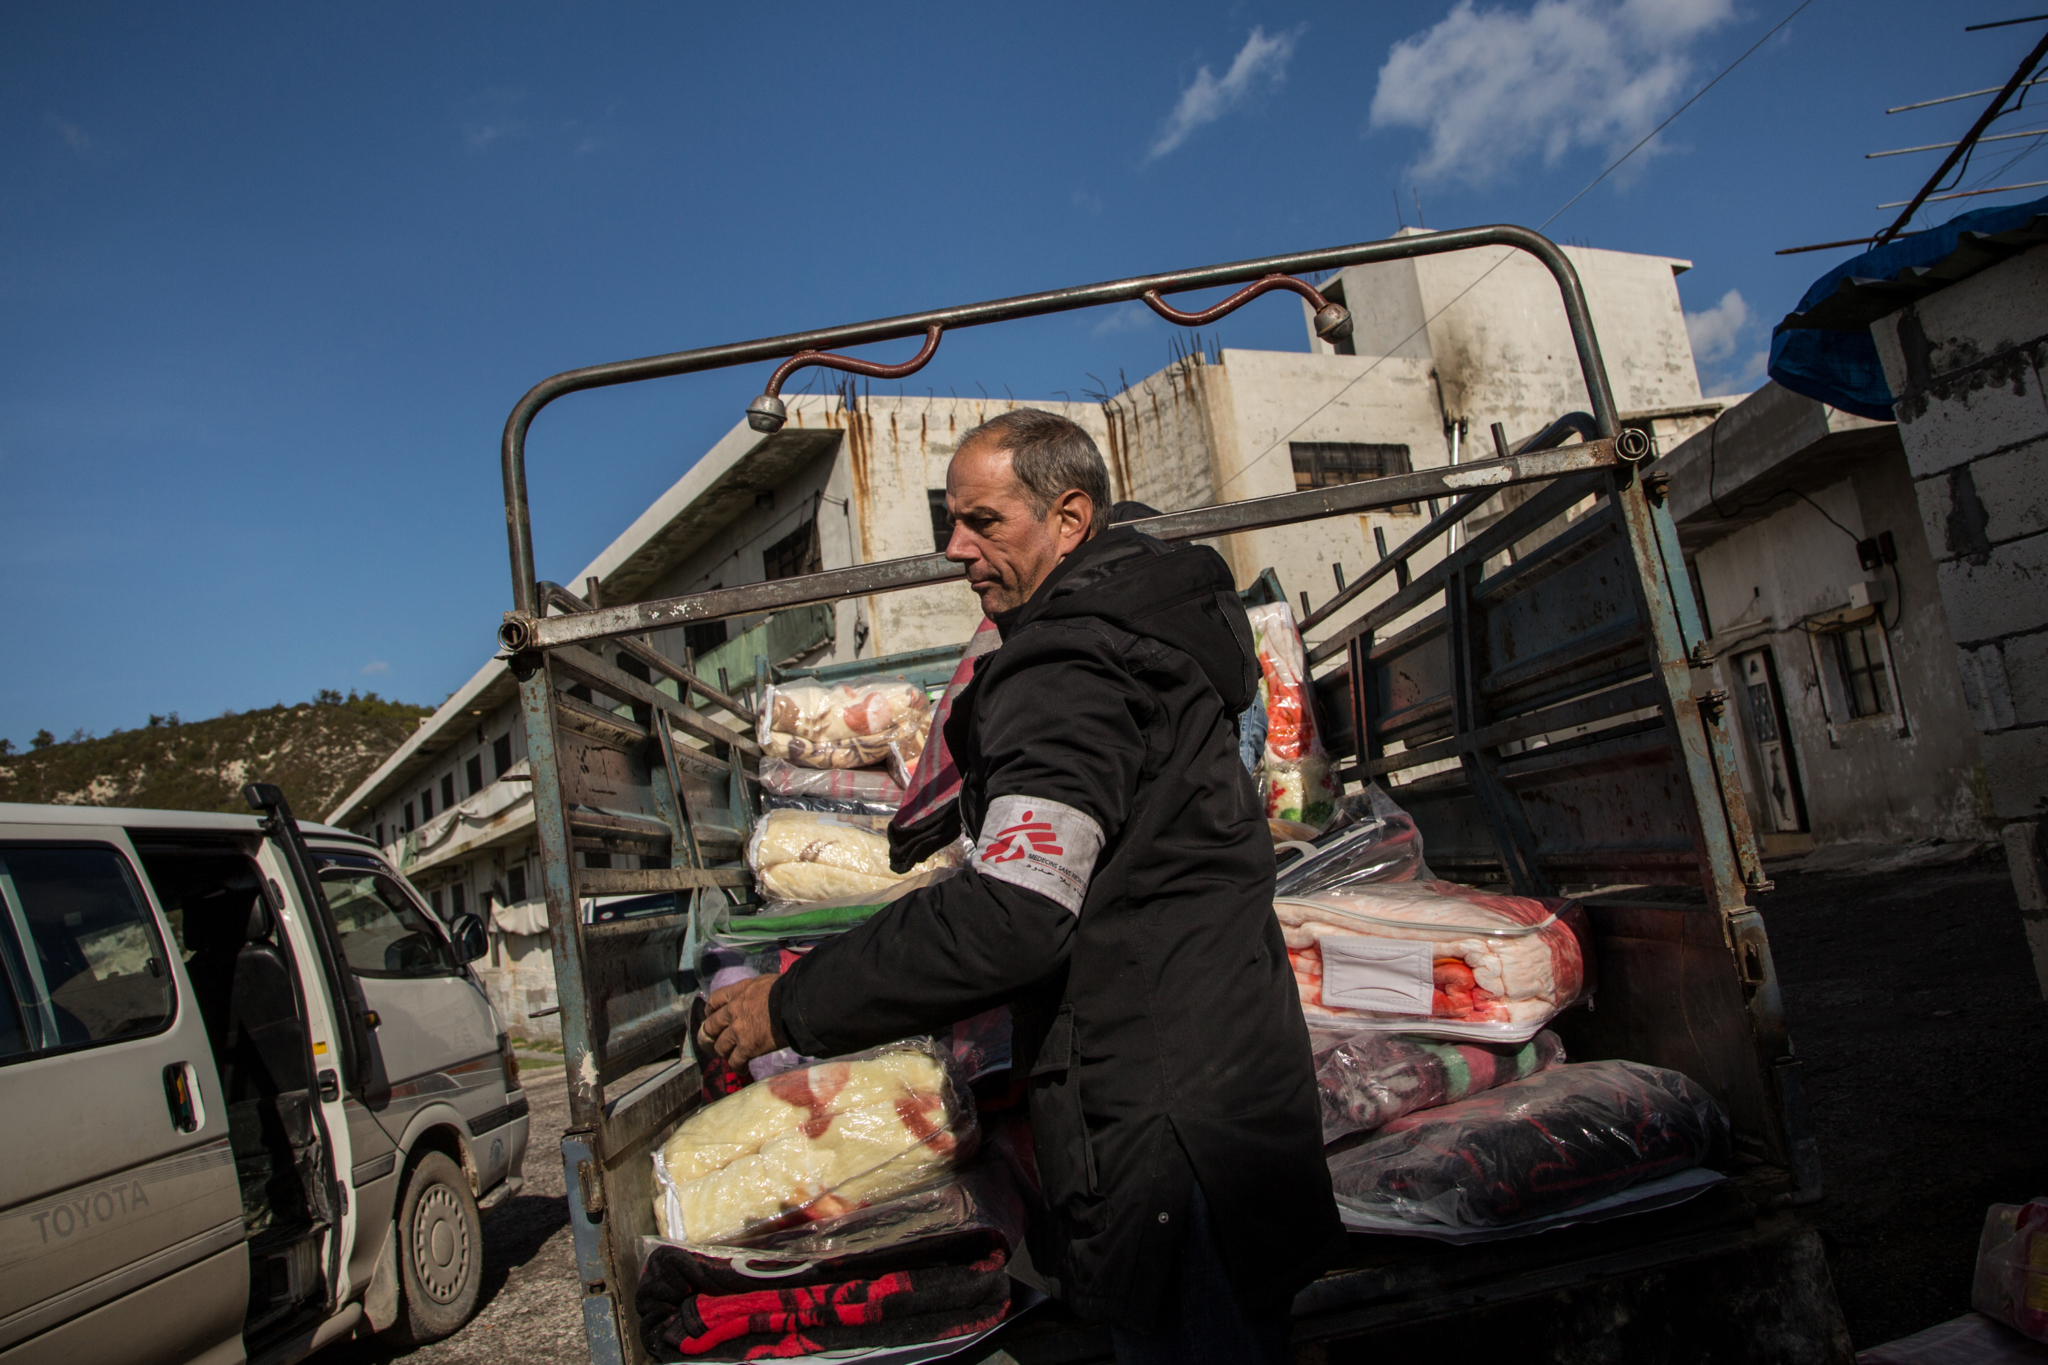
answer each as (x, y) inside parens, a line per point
(942, 520)
(794, 554)
(1326, 464)
(1859, 653)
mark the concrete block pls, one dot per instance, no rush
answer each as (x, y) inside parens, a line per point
(1986, 690)
(1991, 310)
(1935, 505)
(2005, 595)
(2016, 770)
(2014, 490)
(1977, 412)
(2026, 676)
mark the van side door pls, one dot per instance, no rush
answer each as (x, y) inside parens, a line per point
(121, 1229)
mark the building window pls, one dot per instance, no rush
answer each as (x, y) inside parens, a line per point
(456, 900)
(501, 755)
(408, 817)
(942, 520)
(380, 835)
(1325, 464)
(796, 553)
(426, 805)
(704, 637)
(1859, 653)
(434, 901)
(515, 883)
(474, 771)
(447, 791)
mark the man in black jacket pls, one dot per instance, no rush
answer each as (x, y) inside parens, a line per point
(1119, 900)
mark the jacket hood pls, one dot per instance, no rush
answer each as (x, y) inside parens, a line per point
(1180, 595)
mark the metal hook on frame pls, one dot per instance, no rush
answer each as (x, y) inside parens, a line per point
(1333, 320)
(767, 413)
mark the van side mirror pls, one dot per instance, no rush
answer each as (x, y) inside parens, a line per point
(467, 935)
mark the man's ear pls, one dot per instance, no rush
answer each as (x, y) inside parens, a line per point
(1073, 519)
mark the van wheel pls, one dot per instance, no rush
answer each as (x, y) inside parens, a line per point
(440, 1252)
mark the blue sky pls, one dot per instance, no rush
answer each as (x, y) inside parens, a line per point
(272, 275)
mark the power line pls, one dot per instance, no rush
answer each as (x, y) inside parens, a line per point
(1611, 168)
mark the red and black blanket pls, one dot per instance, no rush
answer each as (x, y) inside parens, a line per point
(700, 1308)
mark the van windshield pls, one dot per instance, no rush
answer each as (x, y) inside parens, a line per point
(382, 932)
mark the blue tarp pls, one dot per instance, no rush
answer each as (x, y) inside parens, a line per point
(1824, 349)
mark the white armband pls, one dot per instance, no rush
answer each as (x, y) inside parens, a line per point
(1043, 846)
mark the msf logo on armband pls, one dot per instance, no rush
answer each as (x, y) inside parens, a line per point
(1040, 845)
(1010, 844)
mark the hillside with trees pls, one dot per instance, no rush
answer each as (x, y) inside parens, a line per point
(317, 751)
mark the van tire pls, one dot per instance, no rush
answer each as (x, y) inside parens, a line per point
(440, 1252)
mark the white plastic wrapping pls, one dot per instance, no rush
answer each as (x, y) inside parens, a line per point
(1296, 777)
(868, 723)
(1431, 957)
(813, 1144)
(2011, 1283)
(810, 857)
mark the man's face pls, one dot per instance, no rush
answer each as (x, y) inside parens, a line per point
(1007, 551)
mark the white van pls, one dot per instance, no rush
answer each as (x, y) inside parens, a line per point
(254, 1098)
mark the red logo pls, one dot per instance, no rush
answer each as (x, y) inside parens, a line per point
(1010, 843)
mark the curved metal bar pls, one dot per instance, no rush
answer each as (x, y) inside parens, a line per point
(1235, 301)
(1553, 435)
(872, 369)
(518, 514)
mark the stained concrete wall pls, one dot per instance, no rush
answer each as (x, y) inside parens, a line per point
(1492, 322)
(1966, 367)
(1906, 775)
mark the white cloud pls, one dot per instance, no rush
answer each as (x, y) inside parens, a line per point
(1492, 88)
(1125, 317)
(75, 137)
(1262, 61)
(1714, 331)
(376, 666)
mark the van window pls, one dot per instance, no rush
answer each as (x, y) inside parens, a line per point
(382, 932)
(13, 1023)
(85, 963)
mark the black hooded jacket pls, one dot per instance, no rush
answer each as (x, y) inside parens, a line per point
(1120, 901)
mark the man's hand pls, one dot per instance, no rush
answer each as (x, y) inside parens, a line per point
(736, 1026)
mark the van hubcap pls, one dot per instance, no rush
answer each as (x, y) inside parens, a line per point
(440, 1244)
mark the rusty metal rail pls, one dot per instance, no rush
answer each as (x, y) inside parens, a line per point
(518, 514)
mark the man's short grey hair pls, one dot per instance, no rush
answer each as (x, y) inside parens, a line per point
(1049, 455)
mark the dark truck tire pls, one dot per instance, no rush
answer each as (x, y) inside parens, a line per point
(440, 1252)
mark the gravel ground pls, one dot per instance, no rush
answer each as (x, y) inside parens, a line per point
(1912, 999)
(529, 1309)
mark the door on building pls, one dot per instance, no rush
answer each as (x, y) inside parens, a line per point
(1784, 804)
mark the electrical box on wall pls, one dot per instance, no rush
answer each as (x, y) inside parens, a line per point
(1868, 593)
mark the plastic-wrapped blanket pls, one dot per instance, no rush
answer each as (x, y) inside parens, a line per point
(1558, 1140)
(924, 1266)
(811, 1144)
(799, 855)
(1295, 774)
(1432, 957)
(868, 723)
(1367, 1080)
(2011, 1282)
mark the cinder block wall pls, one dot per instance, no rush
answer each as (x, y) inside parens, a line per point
(1965, 365)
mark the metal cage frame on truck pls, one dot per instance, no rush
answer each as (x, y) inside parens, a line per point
(1553, 695)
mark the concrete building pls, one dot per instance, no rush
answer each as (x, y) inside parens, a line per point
(1802, 537)
(859, 478)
